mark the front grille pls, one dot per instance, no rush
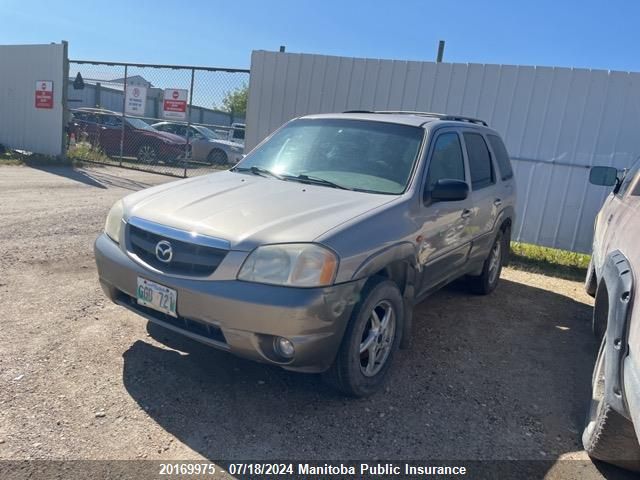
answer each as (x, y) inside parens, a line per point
(206, 330)
(189, 259)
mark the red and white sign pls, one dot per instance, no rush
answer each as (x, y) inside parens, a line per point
(135, 100)
(175, 103)
(44, 94)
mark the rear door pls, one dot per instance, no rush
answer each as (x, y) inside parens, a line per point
(445, 238)
(88, 124)
(486, 203)
(110, 133)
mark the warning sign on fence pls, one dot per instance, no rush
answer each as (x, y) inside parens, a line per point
(44, 94)
(135, 100)
(175, 103)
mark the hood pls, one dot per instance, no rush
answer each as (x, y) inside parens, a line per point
(225, 142)
(249, 210)
(172, 137)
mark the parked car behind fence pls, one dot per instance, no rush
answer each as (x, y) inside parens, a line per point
(206, 145)
(104, 129)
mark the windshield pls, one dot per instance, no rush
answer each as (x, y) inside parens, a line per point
(139, 124)
(207, 132)
(362, 155)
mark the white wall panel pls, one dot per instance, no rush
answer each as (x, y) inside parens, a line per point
(22, 126)
(556, 122)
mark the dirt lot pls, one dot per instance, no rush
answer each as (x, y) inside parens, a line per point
(499, 377)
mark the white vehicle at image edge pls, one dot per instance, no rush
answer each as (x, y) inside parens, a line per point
(311, 252)
(612, 424)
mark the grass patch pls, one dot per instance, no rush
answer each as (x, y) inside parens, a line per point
(14, 157)
(84, 151)
(75, 157)
(549, 261)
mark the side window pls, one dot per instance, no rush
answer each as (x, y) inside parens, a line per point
(446, 160)
(627, 180)
(194, 133)
(482, 174)
(85, 117)
(179, 130)
(502, 157)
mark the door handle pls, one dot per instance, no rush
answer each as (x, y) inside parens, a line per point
(497, 202)
(466, 213)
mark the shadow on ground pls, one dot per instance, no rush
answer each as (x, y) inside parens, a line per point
(92, 177)
(502, 377)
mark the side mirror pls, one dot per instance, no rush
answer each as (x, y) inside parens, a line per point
(604, 176)
(448, 190)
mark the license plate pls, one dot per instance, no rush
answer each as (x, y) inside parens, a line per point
(153, 295)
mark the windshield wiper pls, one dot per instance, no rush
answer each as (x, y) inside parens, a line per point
(315, 180)
(263, 172)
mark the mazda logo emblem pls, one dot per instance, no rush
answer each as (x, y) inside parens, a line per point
(164, 251)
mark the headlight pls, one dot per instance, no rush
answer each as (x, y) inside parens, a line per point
(114, 221)
(294, 265)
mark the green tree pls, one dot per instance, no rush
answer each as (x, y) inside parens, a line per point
(235, 101)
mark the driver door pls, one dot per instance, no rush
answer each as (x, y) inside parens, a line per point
(445, 236)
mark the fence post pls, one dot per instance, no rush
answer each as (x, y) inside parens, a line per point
(65, 109)
(186, 153)
(124, 116)
(440, 51)
(98, 95)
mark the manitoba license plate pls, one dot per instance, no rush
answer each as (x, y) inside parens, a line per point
(153, 295)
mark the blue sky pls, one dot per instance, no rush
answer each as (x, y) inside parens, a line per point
(593, 34)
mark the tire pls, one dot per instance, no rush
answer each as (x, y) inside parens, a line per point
(591, 282)
(147, 154)
(600, 312)
(355, 372)
(607, 435)
(487, 281)
(217, 157)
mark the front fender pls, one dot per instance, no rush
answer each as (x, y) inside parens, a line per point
(617, 278)
(399, 252)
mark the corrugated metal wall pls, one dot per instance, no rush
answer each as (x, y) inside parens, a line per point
(22, 126)
(556, 122)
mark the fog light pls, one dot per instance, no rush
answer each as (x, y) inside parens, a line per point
(284, 347)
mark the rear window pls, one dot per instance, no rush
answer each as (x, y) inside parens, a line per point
(479, 161)
(502, 157)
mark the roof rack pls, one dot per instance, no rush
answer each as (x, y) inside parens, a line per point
(440, 116)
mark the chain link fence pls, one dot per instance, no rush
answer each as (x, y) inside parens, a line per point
(173, 120)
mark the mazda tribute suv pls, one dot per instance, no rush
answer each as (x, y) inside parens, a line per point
(312, 251)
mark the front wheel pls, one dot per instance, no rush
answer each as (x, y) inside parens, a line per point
(371, 339)
(217, 157)
(607, 435)
(147, 155)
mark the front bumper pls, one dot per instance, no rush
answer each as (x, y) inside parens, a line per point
(248, 315)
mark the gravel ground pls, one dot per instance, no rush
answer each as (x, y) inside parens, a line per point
(501, 377)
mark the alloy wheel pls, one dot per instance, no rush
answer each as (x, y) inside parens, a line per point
(147, 154)
(377, 338)
(494, 262)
